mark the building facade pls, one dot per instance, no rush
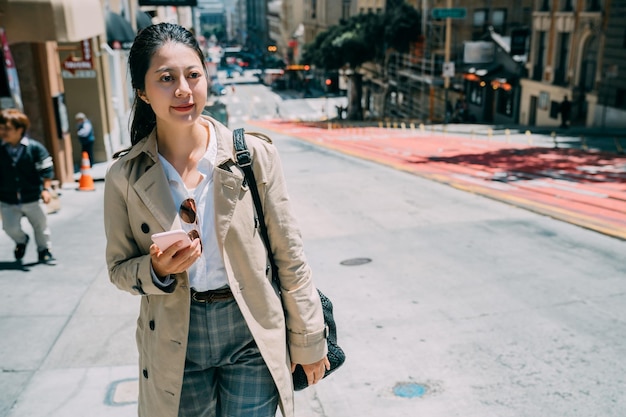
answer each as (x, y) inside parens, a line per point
(565, 59)
(611, 103)
(71, 56)
(319, 15)
(256, 26)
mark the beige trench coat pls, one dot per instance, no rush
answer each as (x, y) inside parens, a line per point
(138, 203)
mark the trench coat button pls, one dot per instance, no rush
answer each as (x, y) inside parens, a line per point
(151, 324)
(145, 373)
(145, 228)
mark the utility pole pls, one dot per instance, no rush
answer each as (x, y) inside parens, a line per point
(448, 13)
(446, 77)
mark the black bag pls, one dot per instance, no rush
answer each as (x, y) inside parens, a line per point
(336, 355)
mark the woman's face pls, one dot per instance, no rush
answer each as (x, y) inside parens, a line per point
(175, 84)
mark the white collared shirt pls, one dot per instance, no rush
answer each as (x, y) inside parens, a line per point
(208, 272)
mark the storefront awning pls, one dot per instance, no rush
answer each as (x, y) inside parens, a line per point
(143, 19)
(490, 73)
(120, 34)
(51, 20)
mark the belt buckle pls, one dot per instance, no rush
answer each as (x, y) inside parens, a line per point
(202, 300)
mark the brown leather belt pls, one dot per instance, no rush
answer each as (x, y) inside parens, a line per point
(210, 296)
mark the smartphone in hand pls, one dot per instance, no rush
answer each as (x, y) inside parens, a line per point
(166, 239)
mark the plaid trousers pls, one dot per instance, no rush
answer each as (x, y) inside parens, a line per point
(225, 375)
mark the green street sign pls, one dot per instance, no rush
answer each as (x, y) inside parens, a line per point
(455, 13)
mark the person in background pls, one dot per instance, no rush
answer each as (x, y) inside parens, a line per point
(84, 130)
(213, 336)
(25, 179)
(566, 110)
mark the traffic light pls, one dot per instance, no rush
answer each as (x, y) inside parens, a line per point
(329, 82)
(272, 48)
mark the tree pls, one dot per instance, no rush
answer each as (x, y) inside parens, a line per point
(360, 39)
(402, 27)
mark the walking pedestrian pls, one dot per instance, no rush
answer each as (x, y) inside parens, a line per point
(84, 130)
(25, 185)
(213, 336)
(566, 110)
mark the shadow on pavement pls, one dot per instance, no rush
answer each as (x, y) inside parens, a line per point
(16, 266)
(572, 164)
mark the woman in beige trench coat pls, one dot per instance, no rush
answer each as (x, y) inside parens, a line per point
(172, 140)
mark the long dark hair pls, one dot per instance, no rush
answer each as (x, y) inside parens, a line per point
(147, 42)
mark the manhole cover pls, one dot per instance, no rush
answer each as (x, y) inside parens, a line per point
(355, 261)
(409, 390)
(123, 392)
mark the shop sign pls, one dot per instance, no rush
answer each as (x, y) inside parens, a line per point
(452, 13)
(479, 52)
(60, 115)
(72, 64)
(78, 74)
(448, 69)
(10, 88)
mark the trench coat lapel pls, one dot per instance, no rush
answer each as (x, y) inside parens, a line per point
(153, 189)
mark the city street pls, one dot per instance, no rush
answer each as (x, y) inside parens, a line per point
(251, 100)
(457, 171)
(447, 303)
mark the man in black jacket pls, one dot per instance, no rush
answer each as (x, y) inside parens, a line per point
(25, 179)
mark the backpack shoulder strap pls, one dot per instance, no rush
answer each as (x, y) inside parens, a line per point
(244, 161)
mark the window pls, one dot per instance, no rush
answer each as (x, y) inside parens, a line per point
(541, 49)
(498, 20)
(480, 18)
(544, 100)
(505, 102)
(313, 9)
(594, 6)
(561, 69)
(476, 92)
(620, 99)
(345, 9)
(545, 6)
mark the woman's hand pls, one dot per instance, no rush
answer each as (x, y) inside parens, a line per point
(175, 259)
(315, 371)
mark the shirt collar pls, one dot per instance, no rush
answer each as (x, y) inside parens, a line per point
(23, 142)
(206, 164)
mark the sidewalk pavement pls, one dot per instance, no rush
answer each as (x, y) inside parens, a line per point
(68, 335)
(68, 345)
(564, 177)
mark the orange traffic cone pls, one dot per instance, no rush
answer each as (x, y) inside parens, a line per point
(85, 183)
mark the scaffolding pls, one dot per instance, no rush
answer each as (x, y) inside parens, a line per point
(415, 80)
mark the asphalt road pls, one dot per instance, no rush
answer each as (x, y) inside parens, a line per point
(450, 304)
